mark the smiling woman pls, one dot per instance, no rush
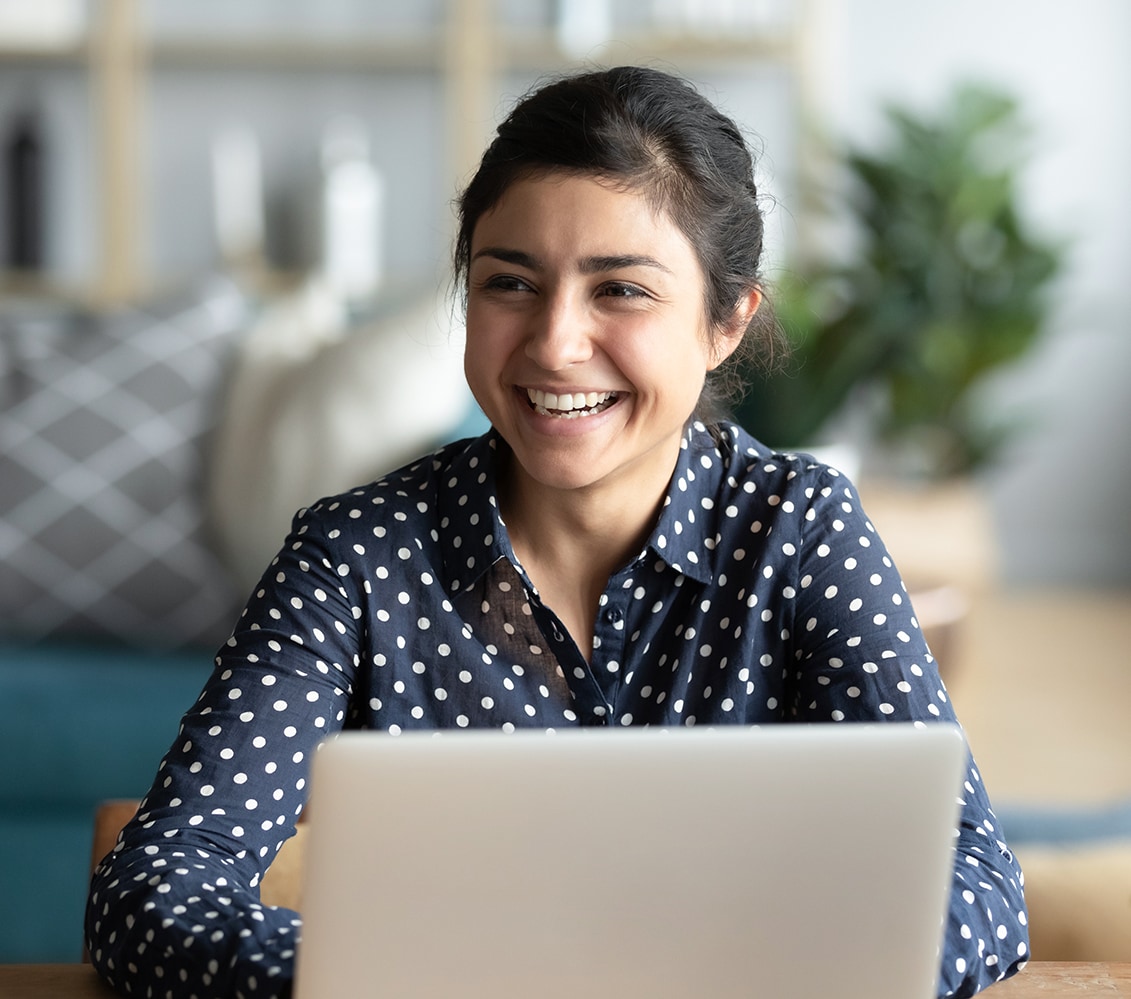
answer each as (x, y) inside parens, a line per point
(607, 554)
(582, 309)
(655, 136)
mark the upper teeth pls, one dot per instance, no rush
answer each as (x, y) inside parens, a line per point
(567, 401)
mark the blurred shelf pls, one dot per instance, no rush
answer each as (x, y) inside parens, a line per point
(540, 50)
(64, 53)
(467, 47)
(290, 53)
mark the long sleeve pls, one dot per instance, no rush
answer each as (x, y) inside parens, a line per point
(175, 908)
(862, 657)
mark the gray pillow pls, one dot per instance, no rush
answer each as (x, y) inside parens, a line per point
(104, 427)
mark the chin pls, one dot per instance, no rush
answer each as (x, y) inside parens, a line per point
(557, 472)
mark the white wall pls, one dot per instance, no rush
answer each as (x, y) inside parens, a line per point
(1061, 498)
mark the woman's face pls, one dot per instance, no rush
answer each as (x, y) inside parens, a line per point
(587, 337)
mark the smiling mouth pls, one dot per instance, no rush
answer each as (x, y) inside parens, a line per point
(569, 406)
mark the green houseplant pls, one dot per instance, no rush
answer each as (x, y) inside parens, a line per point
(946, 285)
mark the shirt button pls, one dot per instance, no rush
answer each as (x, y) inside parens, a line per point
(613, 615)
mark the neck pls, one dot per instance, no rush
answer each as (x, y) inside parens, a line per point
(595, 527)
(571, 541)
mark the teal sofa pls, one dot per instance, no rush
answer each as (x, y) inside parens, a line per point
(79, 723)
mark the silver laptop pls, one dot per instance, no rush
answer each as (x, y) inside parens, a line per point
(789, 862)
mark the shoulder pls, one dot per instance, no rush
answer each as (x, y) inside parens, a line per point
(750, 467)
(410, 495)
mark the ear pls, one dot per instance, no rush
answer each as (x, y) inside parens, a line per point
(730, 334)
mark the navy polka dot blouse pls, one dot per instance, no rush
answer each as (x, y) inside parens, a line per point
(763, 595)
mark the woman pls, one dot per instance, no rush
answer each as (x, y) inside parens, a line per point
(604, 556)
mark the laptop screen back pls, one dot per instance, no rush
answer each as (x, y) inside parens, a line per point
(786, 861)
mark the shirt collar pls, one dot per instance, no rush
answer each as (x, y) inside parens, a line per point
(472, 535)
(685, 535)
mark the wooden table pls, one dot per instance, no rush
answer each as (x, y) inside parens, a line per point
(1041, 980)
(1050, 980)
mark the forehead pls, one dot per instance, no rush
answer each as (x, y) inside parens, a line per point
(582, 212)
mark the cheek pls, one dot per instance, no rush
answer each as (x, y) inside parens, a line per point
(477, 362)
(668, 374)
(671, 353)
(486, 350)
(479, 381)
(490, 329)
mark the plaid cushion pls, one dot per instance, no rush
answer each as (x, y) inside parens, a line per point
(104, 422)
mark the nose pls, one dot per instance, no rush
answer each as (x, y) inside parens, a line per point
(560, 333)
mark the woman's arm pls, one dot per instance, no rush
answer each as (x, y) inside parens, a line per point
(862, 657)
(175, 908)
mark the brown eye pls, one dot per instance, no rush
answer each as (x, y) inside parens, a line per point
(505, 282)
(621, 289)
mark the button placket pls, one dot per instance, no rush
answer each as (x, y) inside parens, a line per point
(608, 649)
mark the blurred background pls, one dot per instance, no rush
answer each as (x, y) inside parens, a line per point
(226, 229)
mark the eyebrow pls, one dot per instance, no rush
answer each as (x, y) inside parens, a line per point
(589, 265)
